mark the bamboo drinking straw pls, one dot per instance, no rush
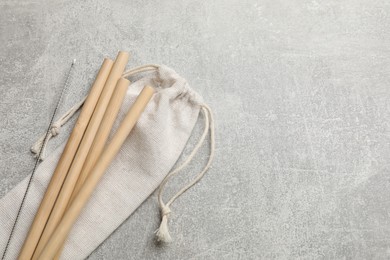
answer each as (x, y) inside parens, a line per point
(103, 132)
(101, 136)
(82, 152)
(61, 232)
(64, 162)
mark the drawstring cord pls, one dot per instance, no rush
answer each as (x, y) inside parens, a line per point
(162, 233)
(140, 69)
(54, 131)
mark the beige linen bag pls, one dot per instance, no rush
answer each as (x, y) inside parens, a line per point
(143, 164)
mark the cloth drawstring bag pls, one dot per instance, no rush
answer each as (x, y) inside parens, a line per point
(143, 164)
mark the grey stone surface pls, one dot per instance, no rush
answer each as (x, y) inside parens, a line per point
(300, 92)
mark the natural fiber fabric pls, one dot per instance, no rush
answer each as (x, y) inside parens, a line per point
(145, 159)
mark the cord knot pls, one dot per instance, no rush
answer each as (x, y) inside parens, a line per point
(55, 129)
(165, 211)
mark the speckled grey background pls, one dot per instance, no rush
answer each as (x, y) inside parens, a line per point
(300, 91)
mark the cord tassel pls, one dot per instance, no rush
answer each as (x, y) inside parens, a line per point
(162, 233)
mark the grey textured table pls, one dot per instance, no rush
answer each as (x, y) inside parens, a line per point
(300, 92)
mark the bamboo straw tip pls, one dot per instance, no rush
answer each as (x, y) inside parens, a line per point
(148, 89)
(147, 92)
(123, 53)
(108, 61)
(123, 81)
